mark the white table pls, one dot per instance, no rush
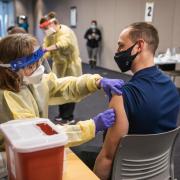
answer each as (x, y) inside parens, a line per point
(167, 60)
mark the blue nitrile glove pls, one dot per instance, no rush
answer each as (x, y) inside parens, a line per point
(45, 50)
(111, 86)
(104, 120)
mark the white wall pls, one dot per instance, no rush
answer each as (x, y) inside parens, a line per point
(24, 7)
(112, 17)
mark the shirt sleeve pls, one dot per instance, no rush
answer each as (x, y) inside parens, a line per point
(64, 41)
(86, 34)
(126, 94)
(80, 133)
(47, 55)
(71, 89)
(132, 99)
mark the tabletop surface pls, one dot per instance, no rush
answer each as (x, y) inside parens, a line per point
(74, 168)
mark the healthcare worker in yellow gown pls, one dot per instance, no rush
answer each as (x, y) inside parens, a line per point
(26, 92)
(62, 47)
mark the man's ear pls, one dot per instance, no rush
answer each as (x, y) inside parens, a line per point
(140, 44)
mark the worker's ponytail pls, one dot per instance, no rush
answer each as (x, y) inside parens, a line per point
(9, 80)
(52, 16)
(13, 47)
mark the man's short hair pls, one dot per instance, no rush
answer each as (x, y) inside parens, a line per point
(145, 31)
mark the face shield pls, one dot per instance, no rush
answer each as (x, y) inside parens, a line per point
(46, 27)
(49, 31)
(35, 77)
(21, 63)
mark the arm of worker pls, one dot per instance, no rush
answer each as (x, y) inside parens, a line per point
(112, 86)
(47, 54)
(104, 160)
(74, 89)
(64, 42)
(80, 133)
(84, 131)
(71, 89)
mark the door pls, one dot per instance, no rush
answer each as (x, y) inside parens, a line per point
(6, 16)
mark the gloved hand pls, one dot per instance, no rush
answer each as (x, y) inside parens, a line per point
(50, 48)
(111, 86)
(45, 50)
(104, 120)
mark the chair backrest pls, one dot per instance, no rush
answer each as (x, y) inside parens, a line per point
(148, 156)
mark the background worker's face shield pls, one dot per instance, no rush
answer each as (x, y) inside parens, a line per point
(45, 24)
(48, 26)
(49, 31)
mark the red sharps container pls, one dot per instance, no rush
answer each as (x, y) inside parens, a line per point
(35, 149)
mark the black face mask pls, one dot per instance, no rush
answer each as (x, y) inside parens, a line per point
(124, 59)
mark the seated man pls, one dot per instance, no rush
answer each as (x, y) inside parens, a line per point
(150, 101)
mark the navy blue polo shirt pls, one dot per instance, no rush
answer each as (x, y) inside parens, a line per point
(151, 102)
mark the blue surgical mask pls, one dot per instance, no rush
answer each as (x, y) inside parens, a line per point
(124, 59)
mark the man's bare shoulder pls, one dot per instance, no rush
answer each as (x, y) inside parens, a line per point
(116, 101)
(121, 124)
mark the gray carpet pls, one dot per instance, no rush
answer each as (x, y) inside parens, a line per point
(93, 105)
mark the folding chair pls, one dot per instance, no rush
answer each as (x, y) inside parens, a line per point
(147, 156)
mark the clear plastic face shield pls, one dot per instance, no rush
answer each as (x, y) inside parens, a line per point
(30, 65)
(49, 31)
(35, 77)
(46, 26)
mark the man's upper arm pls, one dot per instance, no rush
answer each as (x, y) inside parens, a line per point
(119, 129)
